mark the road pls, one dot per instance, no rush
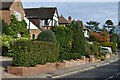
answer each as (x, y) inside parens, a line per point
(107, 72)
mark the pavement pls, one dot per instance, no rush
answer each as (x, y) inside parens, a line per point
(57, 73)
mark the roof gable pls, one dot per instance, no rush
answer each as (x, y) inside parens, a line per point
(42, 13)
(62, 20)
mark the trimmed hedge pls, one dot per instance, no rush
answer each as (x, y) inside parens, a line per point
(30, 53)
(108, 44)
(47, 35)
(69, 56)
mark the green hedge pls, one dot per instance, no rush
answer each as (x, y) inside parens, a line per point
(68, 56)
(108, 44)
(31, 53)
(47, 35)
(95, 49)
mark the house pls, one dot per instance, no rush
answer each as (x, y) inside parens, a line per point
(12, 7)
(62, 21)
(42, 18)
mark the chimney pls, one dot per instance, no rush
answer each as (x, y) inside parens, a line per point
(69, 19)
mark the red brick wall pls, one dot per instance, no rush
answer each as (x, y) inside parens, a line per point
(5, 14)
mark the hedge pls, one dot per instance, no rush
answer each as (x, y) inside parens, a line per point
(108, 44)
(69, 56)
(95, 49)
(30, 53)
(6, 44)
(47, 35)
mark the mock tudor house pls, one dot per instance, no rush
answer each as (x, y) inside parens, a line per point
(12, 7)
(39, 19)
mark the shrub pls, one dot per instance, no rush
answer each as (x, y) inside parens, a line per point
(64, 37)
(47, 35)
(5, 27)
(31, 53)
(95, 48)
(79, 42)
(88, 51)
(18, 27)
(108, 44)
(6, 44)
(68, 56)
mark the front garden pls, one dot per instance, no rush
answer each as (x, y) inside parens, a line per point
(59, 44)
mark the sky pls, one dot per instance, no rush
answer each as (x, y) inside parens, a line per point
(85, 11)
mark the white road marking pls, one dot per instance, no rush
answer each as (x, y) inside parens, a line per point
(118, 73)
(109, 78)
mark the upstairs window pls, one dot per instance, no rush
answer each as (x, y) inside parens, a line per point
(46, 22)
(17, 15)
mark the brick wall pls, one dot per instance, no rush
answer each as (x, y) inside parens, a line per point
(5, 14)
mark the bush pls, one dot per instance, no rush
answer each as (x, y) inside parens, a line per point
(5, 27)
(64, 37)
(95, 48)
(31, 53)
(18, 27)
(108, 44)
(68, 56)
(79, 42)
(6, 44)
(47, 35)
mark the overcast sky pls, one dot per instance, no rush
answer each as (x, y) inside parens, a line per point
(85, 11)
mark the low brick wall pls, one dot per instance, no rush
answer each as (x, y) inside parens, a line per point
(107, 55)
(27, 71)
(60, 65)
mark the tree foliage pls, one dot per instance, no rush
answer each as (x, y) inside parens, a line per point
(93, 25)
(108, 25)
(17, 27)
(5, 27)
(63, 36)
(79, 43)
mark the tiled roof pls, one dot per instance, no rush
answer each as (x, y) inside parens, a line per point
(6, 4)
(62, 20)
(42, 13)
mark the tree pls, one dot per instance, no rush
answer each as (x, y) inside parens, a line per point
(64, 37)
(93, 25)
(79, 42)
(114, 38)
(5, 27)
(17, 27)
(108, 24)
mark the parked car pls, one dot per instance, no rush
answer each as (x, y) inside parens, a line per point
(106, 49)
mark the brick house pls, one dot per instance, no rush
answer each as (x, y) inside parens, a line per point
(39, 19)
(10, 7)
